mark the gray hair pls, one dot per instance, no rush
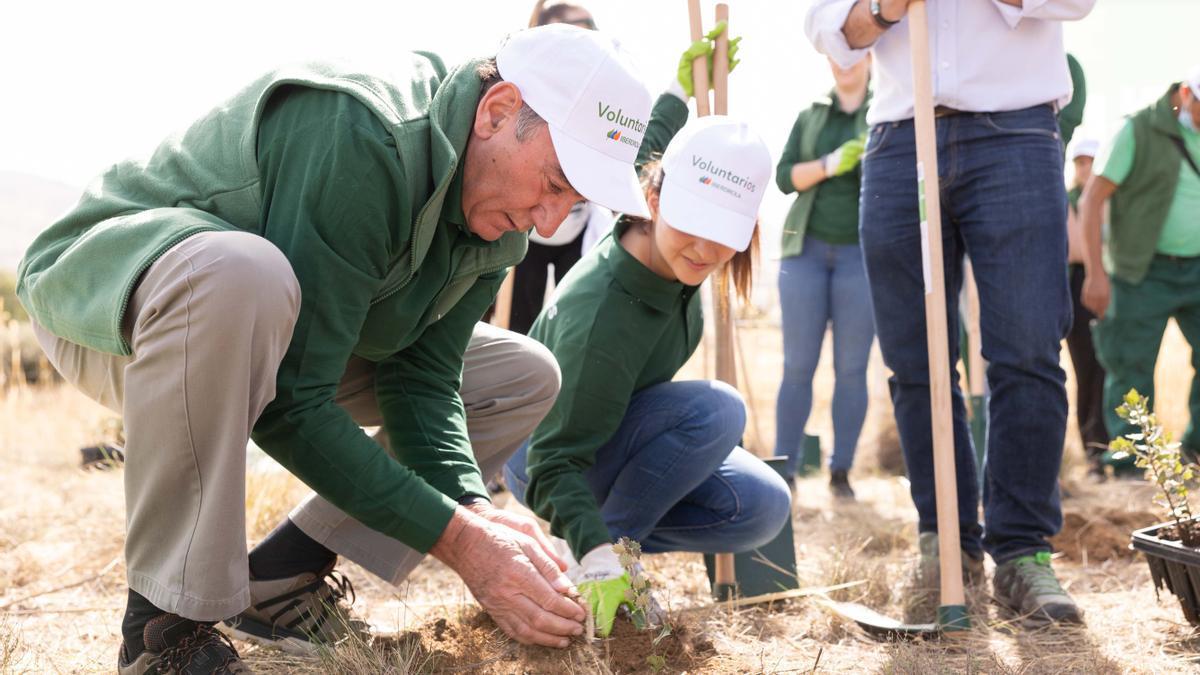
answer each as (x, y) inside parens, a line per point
(528, 121)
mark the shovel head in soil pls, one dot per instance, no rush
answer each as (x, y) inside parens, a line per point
(952, 619)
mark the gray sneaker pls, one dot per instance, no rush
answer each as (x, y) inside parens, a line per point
(923, 593)
(1028, 586)
(298, 614)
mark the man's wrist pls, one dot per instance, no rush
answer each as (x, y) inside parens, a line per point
(446, 546)
(877, 14)
(470, 500)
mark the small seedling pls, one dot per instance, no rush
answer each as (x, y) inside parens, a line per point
(1155, 452)
(629, 554)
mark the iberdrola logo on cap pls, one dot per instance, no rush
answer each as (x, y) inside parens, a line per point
(617, 116)
(727, 176)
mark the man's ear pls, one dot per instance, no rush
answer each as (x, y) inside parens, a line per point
(652, 205)
(497, 108)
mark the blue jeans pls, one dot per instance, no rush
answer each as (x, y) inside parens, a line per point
(825, 284)
(1004, 205)
(673, 477)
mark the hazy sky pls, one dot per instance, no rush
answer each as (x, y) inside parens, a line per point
(86, 84)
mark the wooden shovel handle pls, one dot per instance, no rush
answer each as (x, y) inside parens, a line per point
(946, 486)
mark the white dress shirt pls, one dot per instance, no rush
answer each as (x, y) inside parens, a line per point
(987, 56)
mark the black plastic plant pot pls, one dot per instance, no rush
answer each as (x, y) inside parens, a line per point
(1173, 566)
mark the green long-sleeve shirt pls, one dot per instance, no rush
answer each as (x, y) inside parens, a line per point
(616, 328)
(331, 198)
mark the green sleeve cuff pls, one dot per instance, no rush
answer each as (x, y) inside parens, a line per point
(424, 527)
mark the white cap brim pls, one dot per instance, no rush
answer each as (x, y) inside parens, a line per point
(699, 217)
(609, 182)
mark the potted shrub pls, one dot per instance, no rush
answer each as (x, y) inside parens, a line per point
(1172, 548)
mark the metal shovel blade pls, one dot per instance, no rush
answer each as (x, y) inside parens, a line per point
(880, 626)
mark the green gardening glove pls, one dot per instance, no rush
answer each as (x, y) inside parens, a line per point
(845, 158)
(604, 584)
(704, 47)
(605, 598)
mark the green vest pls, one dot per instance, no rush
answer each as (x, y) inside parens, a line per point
(1139, 207)
(803, 149)
(77, 276)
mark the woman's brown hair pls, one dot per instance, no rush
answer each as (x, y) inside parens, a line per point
(740, 269)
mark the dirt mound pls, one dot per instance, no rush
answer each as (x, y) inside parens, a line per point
(476, 644)
(1096, 535)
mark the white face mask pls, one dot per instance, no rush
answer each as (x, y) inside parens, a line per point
(1185, 118)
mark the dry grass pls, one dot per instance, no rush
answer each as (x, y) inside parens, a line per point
(62, 586)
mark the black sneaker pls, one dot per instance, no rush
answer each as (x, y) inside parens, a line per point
(839, 485)
(179, 646)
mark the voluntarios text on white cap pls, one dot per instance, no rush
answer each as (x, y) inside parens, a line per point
(593, 99)
(715, 172)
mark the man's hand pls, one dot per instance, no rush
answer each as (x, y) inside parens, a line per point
(1097, 290)
(845, 158)
(509, 573)
(523, 524)
(704, 47)
(603, 583)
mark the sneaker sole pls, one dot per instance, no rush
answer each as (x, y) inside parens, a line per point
(262, 635)
(1037, 619)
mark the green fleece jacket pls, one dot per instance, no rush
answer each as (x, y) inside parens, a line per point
(347, 171)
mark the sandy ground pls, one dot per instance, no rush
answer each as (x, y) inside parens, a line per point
(62, 589)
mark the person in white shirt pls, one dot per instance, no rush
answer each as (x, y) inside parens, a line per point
(999, 75)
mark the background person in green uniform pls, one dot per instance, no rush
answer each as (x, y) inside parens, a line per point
(310, 256)
(1150, 177)
(583, 227)
(626, 451)
(822, 279)
(1089, 374)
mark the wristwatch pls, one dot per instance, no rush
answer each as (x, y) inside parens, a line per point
(472, 500)
(879, 18)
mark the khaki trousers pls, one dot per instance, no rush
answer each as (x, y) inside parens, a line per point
(205, 355)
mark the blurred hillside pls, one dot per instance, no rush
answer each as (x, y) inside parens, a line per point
(28, 204)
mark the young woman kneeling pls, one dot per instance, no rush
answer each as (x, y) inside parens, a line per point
(626, 451)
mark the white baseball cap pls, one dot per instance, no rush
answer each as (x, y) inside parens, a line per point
(591, 95)
(1193, 82)
(715, 172)
(1083, 147)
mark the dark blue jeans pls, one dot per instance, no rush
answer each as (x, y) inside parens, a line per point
(826, 285)
(673, 477)
(1004, 205)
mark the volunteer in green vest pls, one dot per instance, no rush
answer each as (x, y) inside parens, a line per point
(311, 256)
(1150, 177)
(626, 451)
(822, 279)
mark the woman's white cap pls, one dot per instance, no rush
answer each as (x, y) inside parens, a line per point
(1193, 82)
(715, 172)
(595, 102)
(1083, 147)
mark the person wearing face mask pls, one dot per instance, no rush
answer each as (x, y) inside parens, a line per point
(626, 451)
(1149, 176)
(314, 255)
(822, 279)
